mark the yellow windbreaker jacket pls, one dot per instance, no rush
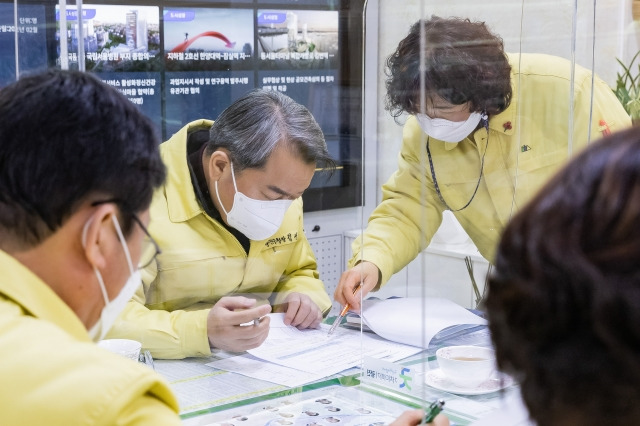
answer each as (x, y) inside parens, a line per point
(53, 374)
(201, 262)
(524, 146)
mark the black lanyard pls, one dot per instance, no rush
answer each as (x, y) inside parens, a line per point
(435, 181)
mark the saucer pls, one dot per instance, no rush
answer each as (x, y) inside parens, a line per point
(436, 379)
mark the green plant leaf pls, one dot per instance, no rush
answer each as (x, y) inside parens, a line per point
(627, 88)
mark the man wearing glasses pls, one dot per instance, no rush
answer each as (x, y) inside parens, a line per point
(78, 167)
(229, 224)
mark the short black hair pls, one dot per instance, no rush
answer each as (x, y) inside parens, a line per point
(453, 58)
(564, 299)
(65, 136)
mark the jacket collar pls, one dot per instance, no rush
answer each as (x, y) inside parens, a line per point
(182, 202)
(37, 298)
(503, 123)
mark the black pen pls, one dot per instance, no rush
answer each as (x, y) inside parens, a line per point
(433, 410)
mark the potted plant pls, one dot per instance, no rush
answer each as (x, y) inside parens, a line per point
(628, 88)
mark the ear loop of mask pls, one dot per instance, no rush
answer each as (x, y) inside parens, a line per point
(234, 187)
(97, 272)
(124, 247)
(123, 241)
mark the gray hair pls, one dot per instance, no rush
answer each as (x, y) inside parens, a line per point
(253, 126)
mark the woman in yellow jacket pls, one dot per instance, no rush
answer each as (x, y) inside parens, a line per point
(485, 131)
(229, 223)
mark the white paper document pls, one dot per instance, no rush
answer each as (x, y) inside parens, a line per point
(414, 321)
(314, 351)
(250, 366)
(198, 386)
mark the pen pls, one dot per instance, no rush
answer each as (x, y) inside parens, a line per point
(256, 321)
(343, 312)
(146, 358)
(433, 410)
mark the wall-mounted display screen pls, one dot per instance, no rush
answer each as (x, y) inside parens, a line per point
(209, 61)
(31, 40)
(297, 39)
(122, 46)
(183, 60)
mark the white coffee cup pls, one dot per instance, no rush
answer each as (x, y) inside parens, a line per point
(125, 347)
(466, 366)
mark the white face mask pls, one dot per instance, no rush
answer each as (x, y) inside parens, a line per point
(114, 307)
(257, 219)
(449, 131)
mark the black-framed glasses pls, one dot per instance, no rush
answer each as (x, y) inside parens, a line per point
(151, 249)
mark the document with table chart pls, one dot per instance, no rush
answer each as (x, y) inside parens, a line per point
(311, 354)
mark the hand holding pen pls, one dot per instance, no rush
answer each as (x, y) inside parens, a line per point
(226, 319)
(344, 311)
(431, 416)
(433, 410)
(364, 275)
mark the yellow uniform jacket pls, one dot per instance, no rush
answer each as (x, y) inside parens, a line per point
(525, 144)
(53, 374)
(201, 262)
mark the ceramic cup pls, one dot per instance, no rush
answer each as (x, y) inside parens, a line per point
(125, 347)
(466, 366)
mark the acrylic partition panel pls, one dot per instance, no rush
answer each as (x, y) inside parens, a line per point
(441, 206)
(427, 213)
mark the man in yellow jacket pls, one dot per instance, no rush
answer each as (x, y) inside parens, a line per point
(229, 223)
(78, 166)
(485, 131)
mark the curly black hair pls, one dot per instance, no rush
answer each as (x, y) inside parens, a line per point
(460, 61)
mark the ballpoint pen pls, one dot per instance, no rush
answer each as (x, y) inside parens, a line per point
(146, 358)
(344, 311)
(433, 410)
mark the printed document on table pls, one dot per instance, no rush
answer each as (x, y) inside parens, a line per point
(414, 320)
(198, 386)
(314, 351)
(249, 366)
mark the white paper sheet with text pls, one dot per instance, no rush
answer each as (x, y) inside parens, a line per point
(413, 320)
(250, 366)
(313, 351)
(198, 386)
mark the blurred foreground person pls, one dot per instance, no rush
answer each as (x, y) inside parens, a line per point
(78, 166)
(564, 298)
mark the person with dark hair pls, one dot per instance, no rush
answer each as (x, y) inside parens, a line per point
(78, 167)
(485, 130)
(229, 222)
(564, 298)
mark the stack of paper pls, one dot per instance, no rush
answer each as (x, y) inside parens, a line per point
(294, 357)
(415, 321)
